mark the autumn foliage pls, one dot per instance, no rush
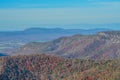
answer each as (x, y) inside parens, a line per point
(48, 67)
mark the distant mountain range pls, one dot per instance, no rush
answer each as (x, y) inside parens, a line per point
(42, 34)
(103, 45)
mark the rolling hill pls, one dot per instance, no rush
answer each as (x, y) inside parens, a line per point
(103, 45)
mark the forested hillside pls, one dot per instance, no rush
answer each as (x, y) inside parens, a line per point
(48, 67)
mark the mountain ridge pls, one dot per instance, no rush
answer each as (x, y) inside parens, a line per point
(103, 45)
(44, 32)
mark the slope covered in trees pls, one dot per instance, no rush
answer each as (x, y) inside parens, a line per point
(48, 67)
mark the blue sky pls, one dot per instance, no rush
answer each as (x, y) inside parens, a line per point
(21, 14)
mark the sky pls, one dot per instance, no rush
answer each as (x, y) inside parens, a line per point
(22, 14)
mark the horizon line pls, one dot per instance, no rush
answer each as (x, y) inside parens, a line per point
(58, 28)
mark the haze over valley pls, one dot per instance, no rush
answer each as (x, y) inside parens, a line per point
(11, 40)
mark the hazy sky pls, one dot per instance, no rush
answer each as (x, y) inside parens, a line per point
(21, 14)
